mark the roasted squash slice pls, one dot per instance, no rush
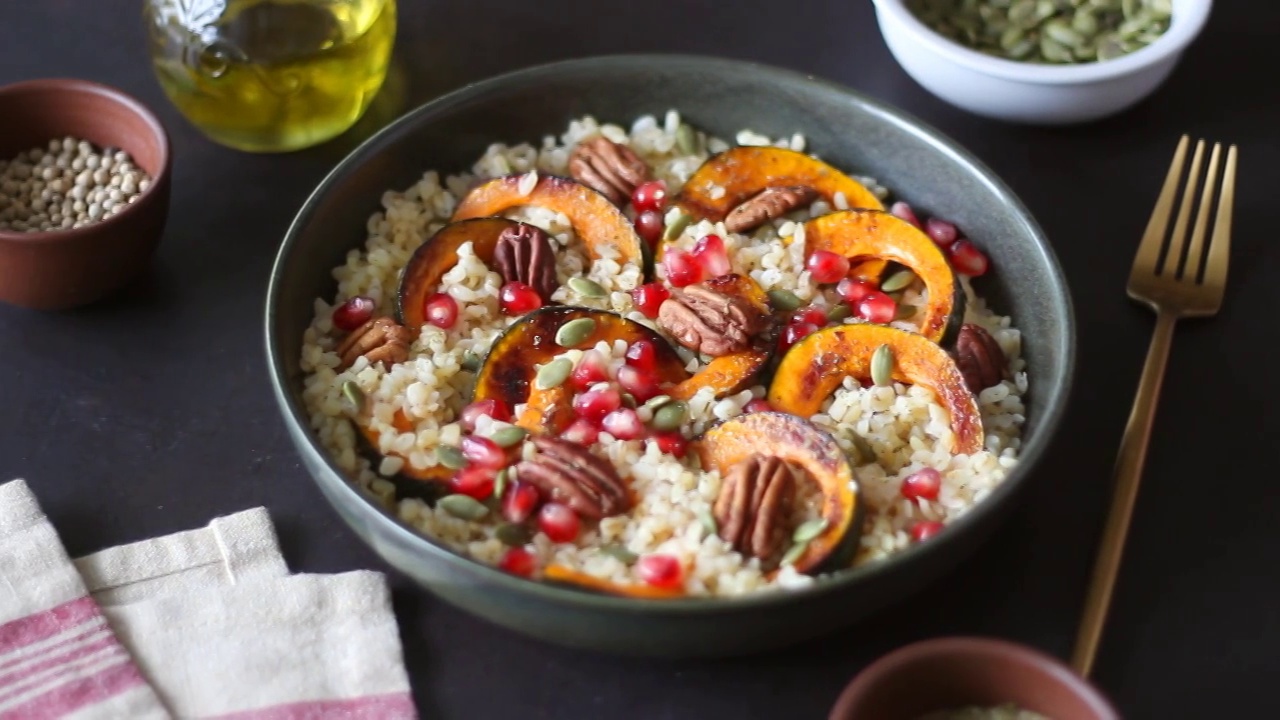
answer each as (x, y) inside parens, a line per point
(410, 482)
(743, 172)
(859, 234)
(561, 575)
(598, 222)
(438, 255)
(814, 367)
(803, 445)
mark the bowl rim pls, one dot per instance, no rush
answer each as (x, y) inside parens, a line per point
(1189, 18)
(1056, 398)
(977, 648)
(68, 85)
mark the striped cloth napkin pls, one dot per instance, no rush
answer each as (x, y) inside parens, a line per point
(206, 623)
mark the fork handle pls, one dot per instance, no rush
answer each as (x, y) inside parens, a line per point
(1128, 473)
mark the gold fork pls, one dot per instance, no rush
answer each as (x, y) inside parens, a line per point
(1174, 289)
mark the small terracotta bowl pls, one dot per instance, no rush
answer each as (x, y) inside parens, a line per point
(954, 673)
(62, 269)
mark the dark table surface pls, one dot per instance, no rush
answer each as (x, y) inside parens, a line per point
(151, 413)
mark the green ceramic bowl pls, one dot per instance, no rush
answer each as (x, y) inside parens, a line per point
(850, 130)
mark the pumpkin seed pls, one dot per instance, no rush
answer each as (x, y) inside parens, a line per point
(839, 313)
(354, 395)
(620, 552)
(882, 366)
(708, 521)
(898, 281)
(906, 312)
(686, 139)
(508, 436)
(1085, 23)
(587, 288)
(463, 507)
(629, 400)
(553, 374)
(1061, 32)
(794, 553)
(866, 453)
(669, 416)
(784, 300)
(573, 333)
(677, 225)
(470, 361)
(451, 457)
(809, 530)
(1053, 50)
(513, 535)
(500, 482)
(657, 401)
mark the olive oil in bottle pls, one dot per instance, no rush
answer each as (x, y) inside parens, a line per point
(271, 75)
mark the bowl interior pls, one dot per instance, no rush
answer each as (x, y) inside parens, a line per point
(853, 133)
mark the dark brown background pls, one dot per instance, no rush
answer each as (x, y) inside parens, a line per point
(151, 413)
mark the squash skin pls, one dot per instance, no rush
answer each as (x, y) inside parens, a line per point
(745, 171)
(436, 256)
(800, 443)
(858, 234)
(561, 575)
(596, 220)
(814, 367)
(428, 484)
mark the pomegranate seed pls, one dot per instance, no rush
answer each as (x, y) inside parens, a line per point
(904, 211)
(650, 195)
(852, 290)
(483, 452)
(441, 310)
(826, 266)
(473, 480)
(581, 431)
(643, 356)
(942, 232)
(558, 522)
(968, 259)
(758, 405)
(662, 571)
(813, 315)
(670, 442)
(793, 333)
(709, 253)
(497, 409)
(681, 268)
(593, 405)
(877, 307)
(592, 368)
(519, 502)
(517, 298)
(518, 561)
(649, 225)
(923, 484)
(648, 298)
(925, 529)
(623, 424)
(640, 384)
(353, 313)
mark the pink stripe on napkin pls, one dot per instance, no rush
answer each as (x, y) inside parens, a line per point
(39, 626)
(394, 706)
(79, 692)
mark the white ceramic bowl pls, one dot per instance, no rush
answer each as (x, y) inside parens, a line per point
(1034, 93)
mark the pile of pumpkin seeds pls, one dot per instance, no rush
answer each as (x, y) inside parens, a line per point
(1048, 31)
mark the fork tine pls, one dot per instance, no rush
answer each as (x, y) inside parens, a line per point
(1191, 272)
(1149, 250)
(1173, 258)
(1215, 273)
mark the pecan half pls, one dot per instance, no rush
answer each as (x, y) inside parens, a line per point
(380, 339)
(979, 357)
(754, 505)
(770, 203)
(605, 166)
(710, 322)
(569, 473)
(524, 254)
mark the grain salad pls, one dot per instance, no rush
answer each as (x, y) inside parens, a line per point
(652, 362)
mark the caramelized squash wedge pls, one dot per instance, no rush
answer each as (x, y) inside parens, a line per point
(814, 367)
(597, 221)
(803, 445)
(438, 255)
(427, 484)
(858, 234)
(743, 172)
(561, 575)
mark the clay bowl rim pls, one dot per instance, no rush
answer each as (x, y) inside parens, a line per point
(980, 649)
(66, 85)
(325, 473)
